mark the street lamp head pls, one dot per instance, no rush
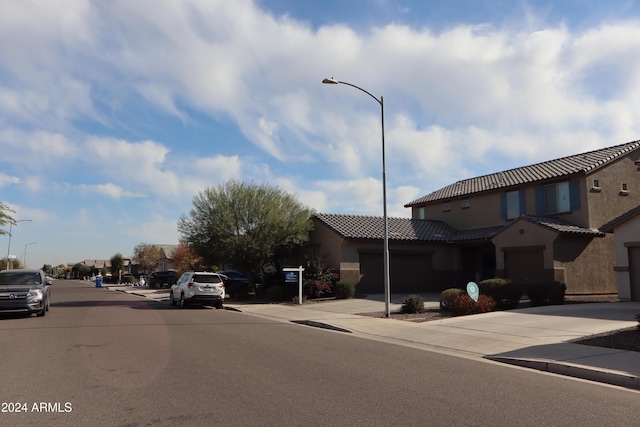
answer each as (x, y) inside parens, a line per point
(330, 81)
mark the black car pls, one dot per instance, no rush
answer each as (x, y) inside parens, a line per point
(162, 279)
(237, 284)
(27, 291)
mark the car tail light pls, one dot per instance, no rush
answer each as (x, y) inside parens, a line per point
(190, 285)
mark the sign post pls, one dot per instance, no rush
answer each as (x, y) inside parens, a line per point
(293, 274)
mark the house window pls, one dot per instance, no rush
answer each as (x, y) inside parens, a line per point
(447, 207)
(421, 213)
(596, 183)
(557, 198)
(465, 203)
(513, 204)
(624, 189)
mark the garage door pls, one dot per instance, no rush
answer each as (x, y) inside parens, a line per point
(525, 265)
(634, 272)
(409, 273)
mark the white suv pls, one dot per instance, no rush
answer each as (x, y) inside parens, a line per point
(199, 287)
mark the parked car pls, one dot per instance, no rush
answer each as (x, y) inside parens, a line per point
(198, 287)
(162, 279)
(237, 284)
(27, 291)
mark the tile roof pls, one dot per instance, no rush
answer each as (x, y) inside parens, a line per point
(560, 225)
(405, 229)
(565, 166)
(168, 250)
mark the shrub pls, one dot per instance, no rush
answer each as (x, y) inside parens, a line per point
(276, 293)
(545, 292)
(412, 304)
(504, 292)
(344, 289)
(464, 304)
(128, 279)
(316, 289)
(447, 296)
(318, 279)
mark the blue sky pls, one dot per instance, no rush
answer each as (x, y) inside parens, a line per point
(114, 115)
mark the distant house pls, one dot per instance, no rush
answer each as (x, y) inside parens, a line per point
(537, 222)
(105, 264)
(166, 260)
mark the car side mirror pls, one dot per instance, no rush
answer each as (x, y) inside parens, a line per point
(49, 282)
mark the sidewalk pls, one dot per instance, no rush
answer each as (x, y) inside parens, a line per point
(533, 337)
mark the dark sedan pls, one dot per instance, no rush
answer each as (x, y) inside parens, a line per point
(237, 284)
(27, 291)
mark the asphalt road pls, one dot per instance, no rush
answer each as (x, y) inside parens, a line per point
(112, 359)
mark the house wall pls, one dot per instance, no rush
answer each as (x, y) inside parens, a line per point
(483, 211)
(585, 264)
(524, 235)
(327, 244)
(597, 205)
(345, 255)
(609, 202)
(625, 236)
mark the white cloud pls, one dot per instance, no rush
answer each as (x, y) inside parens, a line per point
(79, 78)
(110, 190)
(8, 179)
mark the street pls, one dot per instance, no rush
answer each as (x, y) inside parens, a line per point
(106, 358)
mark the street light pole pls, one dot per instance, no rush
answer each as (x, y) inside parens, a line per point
(387, 286)
(24, 255)
(11, 224)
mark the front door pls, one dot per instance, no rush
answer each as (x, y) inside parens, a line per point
(634, 272)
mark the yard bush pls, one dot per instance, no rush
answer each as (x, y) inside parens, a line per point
(412, 304)
(545, 292)
(276, 293)
(505, 293)
(463, 305)
(447, 296)
(318, 279)
(344, 289)
(128, 279)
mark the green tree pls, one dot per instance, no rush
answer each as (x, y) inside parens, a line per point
(117, 265)
(247, 226)
(5, 217)
(13, 263)
(184, 258)
(80, 270)
(146, 256)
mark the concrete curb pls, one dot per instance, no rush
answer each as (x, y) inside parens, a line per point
(616, 378)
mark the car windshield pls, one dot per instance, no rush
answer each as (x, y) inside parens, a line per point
(20, 278)
(206, 278)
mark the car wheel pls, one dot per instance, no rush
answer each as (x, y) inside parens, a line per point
(43, 311)
(218, 305)
(48, 304)
(171, 300)
(181, 302)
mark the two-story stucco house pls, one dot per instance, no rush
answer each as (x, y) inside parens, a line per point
(534, 222)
